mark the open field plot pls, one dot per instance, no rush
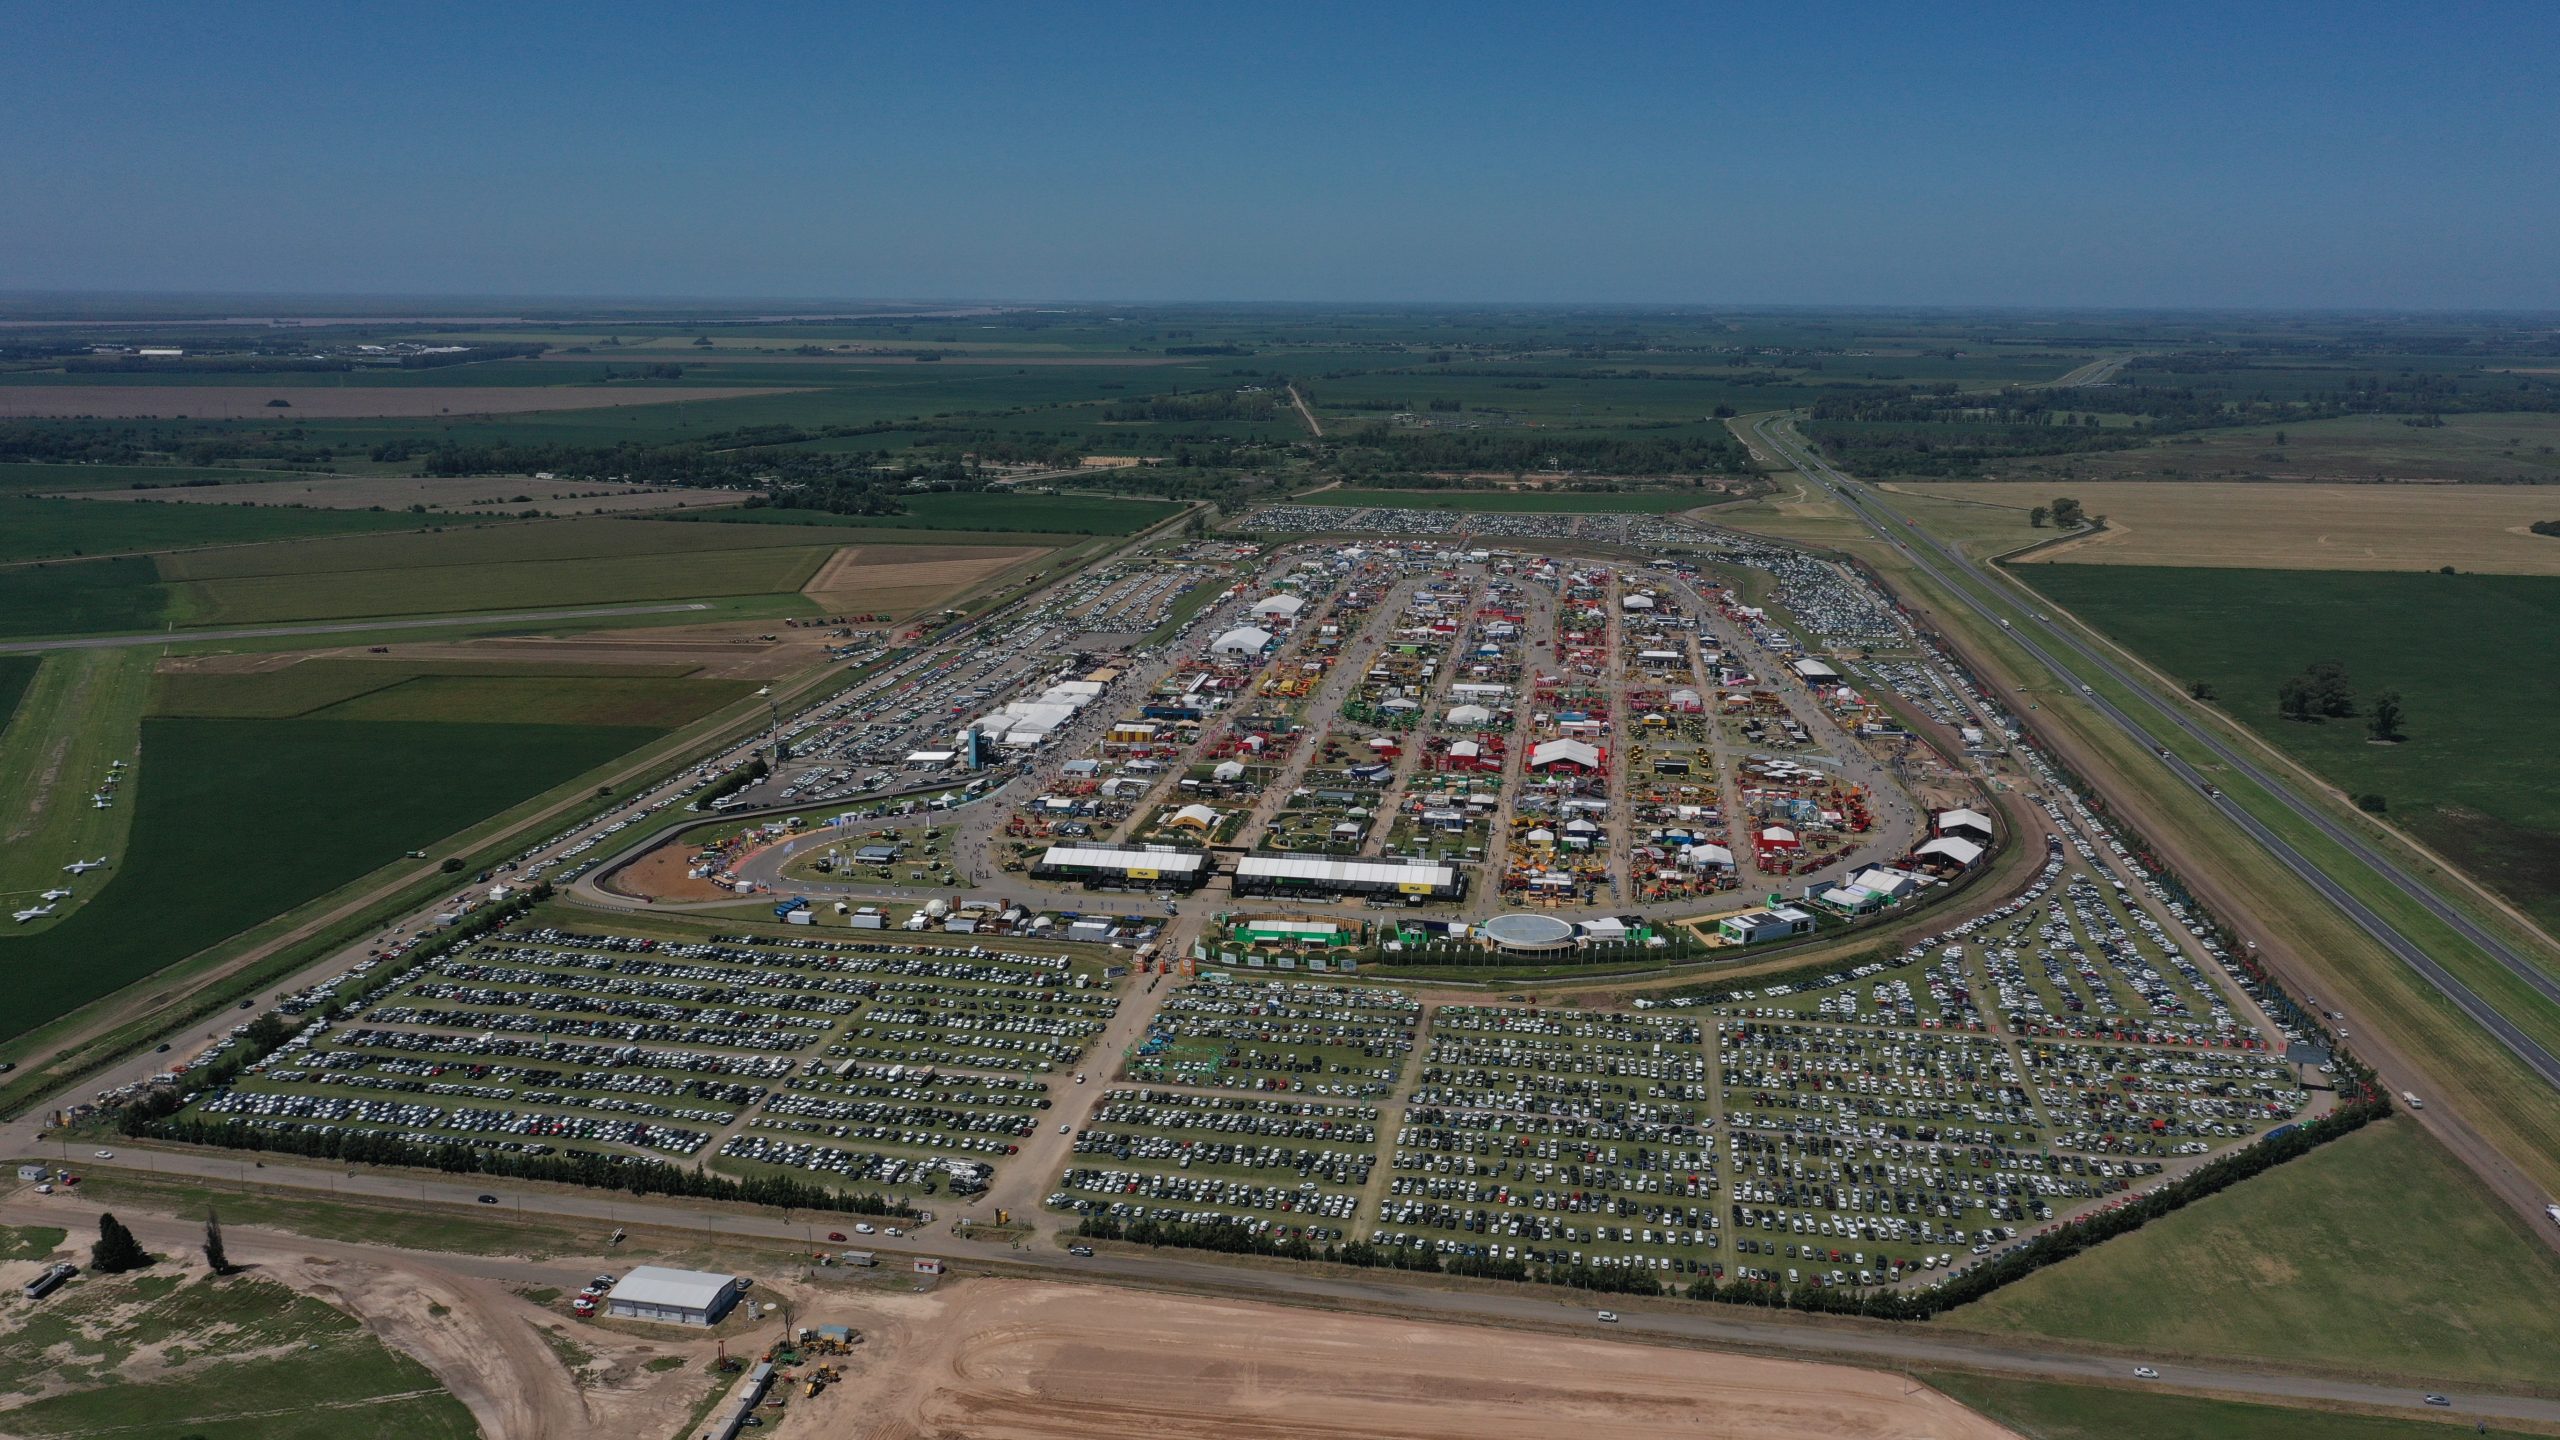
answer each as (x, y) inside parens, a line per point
(2475, 775)
(907, 579)
(1000, 510)
(2464, 447)
(33, 528)
(1314, 1038)
(257, 402)
(2375, 1252)
(1284, 1169)
(870, 1063)
(168, 1351)
(236, 821)
(2293, 527)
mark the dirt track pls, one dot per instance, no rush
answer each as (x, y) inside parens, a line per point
(1015, 1360)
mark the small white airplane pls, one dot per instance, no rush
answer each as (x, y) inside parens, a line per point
(99, 802)
(50, 896)
(34, 912)
(83, 867)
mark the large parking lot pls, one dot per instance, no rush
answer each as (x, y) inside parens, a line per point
(876, 1063)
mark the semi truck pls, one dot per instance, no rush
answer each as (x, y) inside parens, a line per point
(54, 1278)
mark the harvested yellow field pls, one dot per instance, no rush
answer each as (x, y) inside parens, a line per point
(2257, 526)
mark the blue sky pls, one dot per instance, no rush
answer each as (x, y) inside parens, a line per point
(2236, 153)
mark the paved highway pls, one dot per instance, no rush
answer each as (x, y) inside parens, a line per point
(2040, 637)
(337, 627)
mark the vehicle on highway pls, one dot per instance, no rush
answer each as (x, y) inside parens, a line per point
(2145, 1372)
(836, 1235)
(488, 1199)
(2439, 1400)
(864, 1229)
(106, 1154)
(1082, 1252)
(1606, 1317)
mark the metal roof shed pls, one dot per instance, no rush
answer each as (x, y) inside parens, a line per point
(680, 1297)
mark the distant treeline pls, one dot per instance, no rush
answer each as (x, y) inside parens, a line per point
(1943, 431)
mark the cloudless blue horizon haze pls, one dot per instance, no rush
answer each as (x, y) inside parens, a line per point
(2263, 155)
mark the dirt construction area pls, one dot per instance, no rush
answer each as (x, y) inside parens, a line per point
(2269, 526)
(352, 402)
(1017, 1360)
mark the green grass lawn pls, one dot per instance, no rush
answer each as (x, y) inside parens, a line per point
(29, 1242)
(235, 1358)
(2041, 1410)
(994, 510)
(1521, 502)
(37, 529)
(2478, 776)
(236, 821)
(2376, 1253)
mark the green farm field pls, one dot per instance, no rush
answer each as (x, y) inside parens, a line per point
(236, 821)
(543, 700)
(2477, 777)
(40, 529)
(81, 597)
(2376, 1253)
(461, 588)
(17, 672)
(315, 684)
(1520, 502)
(996, 510)
(238, 1357)
(2042, 1410)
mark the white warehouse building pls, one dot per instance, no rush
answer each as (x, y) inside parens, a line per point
(677, 1297)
